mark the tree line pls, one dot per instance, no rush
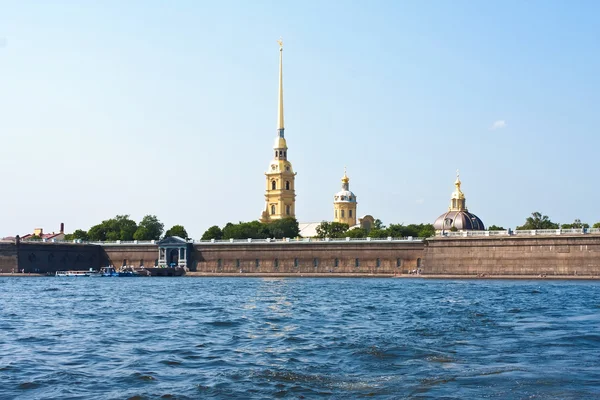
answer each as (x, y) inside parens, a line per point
(278, 229)
(122, 227)
(339, 230)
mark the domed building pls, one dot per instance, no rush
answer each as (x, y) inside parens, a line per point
(344, 204)
(458, 216)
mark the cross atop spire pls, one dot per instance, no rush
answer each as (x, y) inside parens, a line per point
(280, 125)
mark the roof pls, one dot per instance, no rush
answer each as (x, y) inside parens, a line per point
(43, 236)
(461, 220)
(308, 229)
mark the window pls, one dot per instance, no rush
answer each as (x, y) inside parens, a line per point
(287, 210)
(276, 263)
(220, 263)
(343, 214)
(350, 213)
(285, 154)
(336, 262)
(357, 262)
(399, 262)
(378, 262)
(257, 262)
(237, 263)
(272, 209)
(453, 203)
(273, 185)
(295, 262)
(287, 185)
(336, 213)
(418, 263)
(280, 153)
(275, 153)
(315, 262)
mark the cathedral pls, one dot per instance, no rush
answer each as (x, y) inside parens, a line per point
(280, 195)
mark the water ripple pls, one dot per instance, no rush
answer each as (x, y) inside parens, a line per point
(180, 338)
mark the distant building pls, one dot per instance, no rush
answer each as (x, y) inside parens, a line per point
(458, 216)
(38, 233)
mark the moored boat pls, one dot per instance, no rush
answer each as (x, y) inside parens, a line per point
(72, 273)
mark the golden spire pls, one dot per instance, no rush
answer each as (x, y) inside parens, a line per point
(280, 126)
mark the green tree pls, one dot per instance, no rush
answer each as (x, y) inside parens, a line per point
(378, 233)
(596, 225)
(538, 221)
(78, 234)
(245, 230)
(214, 232)
(426, 230)
(356, 233)
(150, 228)
(179, 230)
(577, 224)
(495, 228)
(284, 228)
(377, 224)
(331, 229)
(119, 228)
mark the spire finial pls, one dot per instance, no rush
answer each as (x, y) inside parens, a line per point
(345, 178)
(280, 125)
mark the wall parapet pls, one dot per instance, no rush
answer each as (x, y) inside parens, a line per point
(526, 232)
(232, 241)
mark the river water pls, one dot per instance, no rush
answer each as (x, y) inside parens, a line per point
(246, 338)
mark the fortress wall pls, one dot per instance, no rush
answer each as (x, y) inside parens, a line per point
(313, 257)
(529, 255)
(133, 254)
(8, 257)
(38, 257)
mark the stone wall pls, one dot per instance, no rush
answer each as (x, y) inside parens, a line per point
(513, 255)
(39, 257)
(136, 255)
(8, 257)
(312, 257)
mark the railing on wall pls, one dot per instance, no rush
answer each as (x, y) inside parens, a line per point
(235, 241)
(533, 232)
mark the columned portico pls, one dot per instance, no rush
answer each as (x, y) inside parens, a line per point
(173, 251)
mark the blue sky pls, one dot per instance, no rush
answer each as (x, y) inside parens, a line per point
(169, 108)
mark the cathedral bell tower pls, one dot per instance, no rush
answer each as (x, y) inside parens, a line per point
(280, 195)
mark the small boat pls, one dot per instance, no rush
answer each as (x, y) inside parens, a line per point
(108, 272)
(72, 273)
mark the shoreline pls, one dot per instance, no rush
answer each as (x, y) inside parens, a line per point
(350, 275)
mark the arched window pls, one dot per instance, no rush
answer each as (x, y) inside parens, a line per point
(275, 153)
(280, 153)
(285, 153)
(287, 210)
(343, 214)
(273, 185)
(272, 209)
(287, 185)
(350, 213)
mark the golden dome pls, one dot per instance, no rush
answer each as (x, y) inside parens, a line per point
(345, 178)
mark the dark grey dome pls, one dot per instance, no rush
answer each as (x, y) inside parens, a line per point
(461, 220)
